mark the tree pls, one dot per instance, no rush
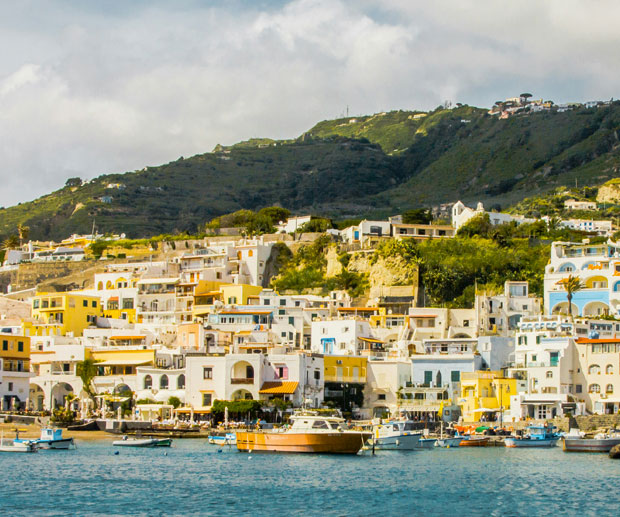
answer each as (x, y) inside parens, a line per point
(73, 182)
(571, 285)
(87, 371)
(524, 97)
(24, 232)
(11, 242)
(318, 225)
(417, 216)
(259, 224)
(174, 402)
(275, 213)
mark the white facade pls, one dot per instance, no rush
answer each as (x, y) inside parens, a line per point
(292, 224)
(339, 336)
(461, 214)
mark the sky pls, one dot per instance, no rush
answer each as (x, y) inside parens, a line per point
(91, 87)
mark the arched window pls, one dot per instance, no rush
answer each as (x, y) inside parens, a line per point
(148, 382)
(609, 370)
(617, 286)
(181, 382)
(154, 305)
(549, 374)
(100, 286)
(609, 388)
(163, 382)
(566, 267)
(594, 388)
(250, 253)
(438, 380)
(594, 369)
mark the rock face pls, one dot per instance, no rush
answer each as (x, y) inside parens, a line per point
(609, 192)
(614, 453)
(390, 271)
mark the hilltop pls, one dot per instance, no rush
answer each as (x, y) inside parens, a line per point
(351, 167)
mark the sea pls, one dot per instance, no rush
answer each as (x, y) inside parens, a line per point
(195, 478)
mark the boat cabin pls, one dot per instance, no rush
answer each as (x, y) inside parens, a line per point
(317, 423)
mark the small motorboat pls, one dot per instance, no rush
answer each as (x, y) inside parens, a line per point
(537, 436)
(475, 441)
(14, 446)
(396, 435)
(446, 443)
(50, 439)
(143, 442)
(602, 442)
(426, 443)
(223, 439)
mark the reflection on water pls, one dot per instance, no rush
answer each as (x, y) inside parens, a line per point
(194, 478)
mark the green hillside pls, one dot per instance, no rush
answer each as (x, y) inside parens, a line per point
(354, 167)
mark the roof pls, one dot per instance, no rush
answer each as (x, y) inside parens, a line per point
(358, 309)
(124, 362)
(279, 387)
(422, 315)
(584, 340)
(158, 281)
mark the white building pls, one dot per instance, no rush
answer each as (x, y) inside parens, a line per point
(573, 204)
(292, 224)
(461, 214)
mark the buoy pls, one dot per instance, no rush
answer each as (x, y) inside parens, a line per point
(165, 454)
(116, 453)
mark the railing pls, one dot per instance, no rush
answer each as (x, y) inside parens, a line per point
(536, 365)
(248, 380)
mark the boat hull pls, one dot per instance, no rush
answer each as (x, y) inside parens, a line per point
(19, 447)
(163, 442)
(327, 443)
(449, 442)
(229, 439)
(65, 443)
(406, 442)
(475, 442)
(526, 442)
(590, 445)
(426, 443)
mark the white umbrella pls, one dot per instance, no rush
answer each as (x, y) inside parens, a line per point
(226, 416)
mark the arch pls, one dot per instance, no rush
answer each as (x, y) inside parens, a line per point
(109, 285)
(242, 394)
(617, 286)
(122, 389)
(438, 379)
(595, 309)
(59, 394)
(609, 369)
(250, 253)
(562, 308)
(121, 282)
(567, 267)
(609, 388)
(181, 382)
(36, 397)
(100, 286)
(163, 382)
(594, 369)
(596, 282)
(242, 371)
(587, 265)
(549, 374)
(148, 382)
(594, 388)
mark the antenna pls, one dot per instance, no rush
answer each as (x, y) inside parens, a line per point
(347, 111)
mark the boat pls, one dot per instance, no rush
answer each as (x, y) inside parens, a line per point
(223, 439)
(308, 433)
(602, 442)
(536, 436)
(50, 439)
(21, 446)
(446, 443)
(396, 435)
(474, 441)
(143, 442)
(426, 443)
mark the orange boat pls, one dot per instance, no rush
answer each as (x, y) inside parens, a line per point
(475, 441)
(308, 433)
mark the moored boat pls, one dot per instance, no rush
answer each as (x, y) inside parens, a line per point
(475, 441)
(223, 439)
(602, 442)
(426, 443)
(396, 435)
(17, 446)
(537, 436)
(309, 433)
(143, 442)
(50, 439)
(446, 443)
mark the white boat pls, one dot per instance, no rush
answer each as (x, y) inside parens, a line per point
(13, 446)
(223, 439)
(602, 442)
(50, 439)
(426, 443)
(454, 441)
(143, 442)
(396, 435)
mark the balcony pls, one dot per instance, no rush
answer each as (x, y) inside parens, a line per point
(248, 380)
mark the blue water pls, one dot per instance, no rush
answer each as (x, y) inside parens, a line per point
(192, 478)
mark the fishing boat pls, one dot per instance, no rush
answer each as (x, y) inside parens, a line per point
(474, 441)
(426, 443)
(13, 446)
(223, 439)
(309, 433)
(50, 439)
(396, 435)
(143, 442)
(453, 441)
(602, 442)
(536, 436)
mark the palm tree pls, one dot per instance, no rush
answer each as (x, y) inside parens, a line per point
(87, 370)
(571, 285)
(23, 232)
(10, 242)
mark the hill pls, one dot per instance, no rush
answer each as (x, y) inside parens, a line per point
(358, 166)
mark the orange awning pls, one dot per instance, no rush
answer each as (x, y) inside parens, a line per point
(130, 338)
(279, 387)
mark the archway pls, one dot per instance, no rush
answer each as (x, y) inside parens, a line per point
(595, 309)
(562, 308)
(163, 382)
(123, 390)
(37, 397)
(241, 372)
(242, 395)
(181, 382)
(59, 394)
(596, 282)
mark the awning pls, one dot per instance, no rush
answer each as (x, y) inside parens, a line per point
(113, 299)
(279, 387)
(371, 340)
(118, 338)
(124, 362)
(485, 410)
(158, 281)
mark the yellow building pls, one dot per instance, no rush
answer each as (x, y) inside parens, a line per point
(63, 313)
(121, 362)
(14, 371)
(206, 293)
(345, 368)
(485, 390)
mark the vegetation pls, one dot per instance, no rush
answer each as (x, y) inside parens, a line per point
(175, 402)
(87, 370)
(571, 285)
(358, 167)
(236, 408)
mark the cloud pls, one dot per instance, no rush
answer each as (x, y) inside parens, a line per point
(89, 90)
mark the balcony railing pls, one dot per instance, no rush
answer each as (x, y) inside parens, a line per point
(247, 380)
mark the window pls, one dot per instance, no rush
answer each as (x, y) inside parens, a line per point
(428, 377)
(206, 399)
(207, 372)
(282, 372)
(163, 382)
(609, 370)
(578, 388)
(594, 388)
(10, 386)
(5, 344)
(181, 382)
(127, 303)
(291, 320)
(320, 424)
(85, 303)
(381, 396)
(594, 369)
(609, 388)
(282, 301)
(281, 312)
(455, 376)
(148, 382)
(549, 374)
(317, 374)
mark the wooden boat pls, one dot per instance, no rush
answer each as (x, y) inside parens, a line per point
(602, 442)
(309, 433)
(50, 439)
(396, 435)
(475, 441)
(537, 436)
(143, 442)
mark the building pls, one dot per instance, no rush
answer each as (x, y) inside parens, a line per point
(461, 214)
(292, 224)
(386, 378)
(422, 231)
(63, 314)
(573, 204)
(345, 381)
(488, 390)
(14, 372)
